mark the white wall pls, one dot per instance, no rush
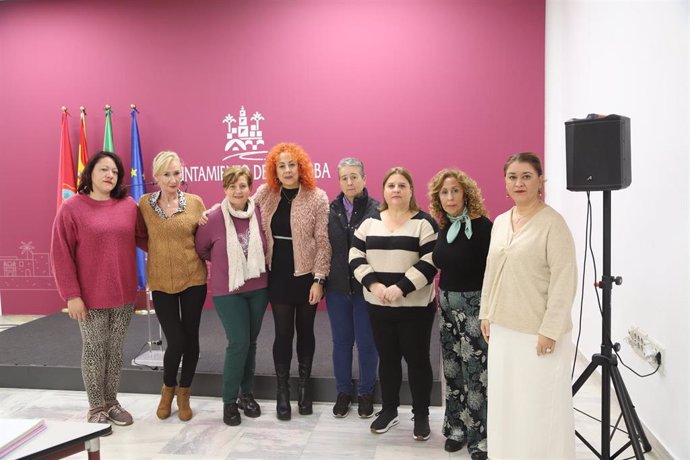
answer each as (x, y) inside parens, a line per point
(632, 58)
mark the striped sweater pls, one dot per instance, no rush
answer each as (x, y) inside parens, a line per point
(402, 257)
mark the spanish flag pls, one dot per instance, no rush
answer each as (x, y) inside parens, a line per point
(83, 157)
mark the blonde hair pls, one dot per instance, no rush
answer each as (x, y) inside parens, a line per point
(474, 202)
(232, 174)
(163, 159)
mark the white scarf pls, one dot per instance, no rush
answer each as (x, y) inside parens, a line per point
(241, 268)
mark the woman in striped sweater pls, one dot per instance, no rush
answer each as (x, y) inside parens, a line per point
(391, 258)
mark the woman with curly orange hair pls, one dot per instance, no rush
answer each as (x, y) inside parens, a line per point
(460, 254)
(295, 221)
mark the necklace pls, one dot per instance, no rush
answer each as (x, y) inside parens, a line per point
(517, 218)
(285, 195)
(169, 204)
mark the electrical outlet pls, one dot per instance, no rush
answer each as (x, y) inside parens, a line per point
(636, 339)
(647, 347)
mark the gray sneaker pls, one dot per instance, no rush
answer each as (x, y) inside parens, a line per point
(118, 415)
(98, 416)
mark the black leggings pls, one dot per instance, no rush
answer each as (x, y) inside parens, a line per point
(180, 315)
(287, 318)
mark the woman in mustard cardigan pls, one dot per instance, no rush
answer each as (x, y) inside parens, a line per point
(176, 277)
(295, 220)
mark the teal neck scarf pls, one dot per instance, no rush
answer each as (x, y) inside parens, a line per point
(456, 223)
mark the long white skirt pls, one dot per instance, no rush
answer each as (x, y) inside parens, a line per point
(530, 405)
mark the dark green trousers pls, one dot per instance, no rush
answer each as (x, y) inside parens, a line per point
(241, 315)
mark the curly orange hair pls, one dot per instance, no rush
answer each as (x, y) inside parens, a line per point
(473, 195)
(305, 166)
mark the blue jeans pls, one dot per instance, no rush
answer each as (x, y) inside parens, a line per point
(349, 323)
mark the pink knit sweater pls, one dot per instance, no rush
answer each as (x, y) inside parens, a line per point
(309, 223)
(93, 250)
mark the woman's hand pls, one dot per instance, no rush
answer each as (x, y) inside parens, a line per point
(545, 345)
(392, 293)
(203, 220)
(378, 289)
(76, 308)
(486, 329)
(315, 293)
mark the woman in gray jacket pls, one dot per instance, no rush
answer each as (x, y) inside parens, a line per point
(347, 309)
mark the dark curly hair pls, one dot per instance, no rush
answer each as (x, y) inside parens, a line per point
(85, 183)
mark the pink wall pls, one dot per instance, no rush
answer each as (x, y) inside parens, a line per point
(419, 83)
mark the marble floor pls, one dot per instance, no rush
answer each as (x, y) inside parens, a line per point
(318, 436)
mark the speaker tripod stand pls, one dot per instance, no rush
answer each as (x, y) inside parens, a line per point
(609, 367)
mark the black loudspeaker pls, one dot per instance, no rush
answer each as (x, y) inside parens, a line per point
(597, 151)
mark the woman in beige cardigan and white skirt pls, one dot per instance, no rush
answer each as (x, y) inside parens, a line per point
(527, 296)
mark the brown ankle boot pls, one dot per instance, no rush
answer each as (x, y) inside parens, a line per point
(164, 406)
(184, 411)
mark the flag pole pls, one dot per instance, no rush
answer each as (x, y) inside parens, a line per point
(153, 357)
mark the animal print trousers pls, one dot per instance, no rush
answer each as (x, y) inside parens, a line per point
(103, 333)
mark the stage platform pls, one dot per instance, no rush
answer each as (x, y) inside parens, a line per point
(45, 354)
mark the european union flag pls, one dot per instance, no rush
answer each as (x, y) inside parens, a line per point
(137, 189)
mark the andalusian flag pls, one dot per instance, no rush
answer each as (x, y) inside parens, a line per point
(136, 190)
(67, 183)
(108, 136)
(83, 157)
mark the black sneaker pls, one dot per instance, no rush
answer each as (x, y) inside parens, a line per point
(249, 405)
(422, 432)
(453, 446)
(231, 414)
(366, 405)
(342, 405)
(479, 455)
(385, 420)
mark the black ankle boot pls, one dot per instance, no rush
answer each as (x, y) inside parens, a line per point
(231, 414)
(304, 398)
(283, 409)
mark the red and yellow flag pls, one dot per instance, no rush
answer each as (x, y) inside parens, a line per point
(83, 157)
(67, 184)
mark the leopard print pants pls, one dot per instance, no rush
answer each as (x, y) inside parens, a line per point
(103, 333)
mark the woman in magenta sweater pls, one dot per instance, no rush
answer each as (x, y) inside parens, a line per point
(100, 223)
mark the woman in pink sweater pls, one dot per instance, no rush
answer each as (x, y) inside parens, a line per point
(295, 220)
(93, 252)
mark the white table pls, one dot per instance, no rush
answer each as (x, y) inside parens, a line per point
(62, 439)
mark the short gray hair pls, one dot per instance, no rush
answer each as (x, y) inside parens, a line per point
(351, 161)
